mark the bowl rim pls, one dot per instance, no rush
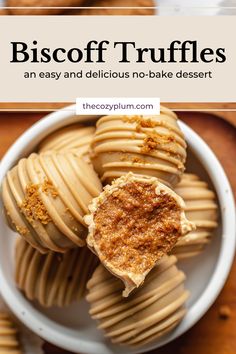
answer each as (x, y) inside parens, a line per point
(43, 326)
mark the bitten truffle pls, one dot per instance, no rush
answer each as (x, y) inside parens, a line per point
(132, 224)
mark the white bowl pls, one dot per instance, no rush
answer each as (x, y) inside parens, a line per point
(72, 328)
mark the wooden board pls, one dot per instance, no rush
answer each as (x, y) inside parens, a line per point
(212, 334)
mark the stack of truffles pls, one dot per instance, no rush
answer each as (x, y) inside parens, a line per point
(104, 213)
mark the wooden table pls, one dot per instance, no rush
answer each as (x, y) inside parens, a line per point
(213, 334)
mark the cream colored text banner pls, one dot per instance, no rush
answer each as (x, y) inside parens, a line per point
(61, 58)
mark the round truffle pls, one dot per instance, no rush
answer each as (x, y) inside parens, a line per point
(53, 279)
(73, 138)
(9, 341)
(202, 209)
(145, 145)
(46, 196)
(151, 312)
(132, 224)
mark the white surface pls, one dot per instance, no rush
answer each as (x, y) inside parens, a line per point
(72, 328)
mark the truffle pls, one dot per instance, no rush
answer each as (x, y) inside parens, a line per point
(9, 341)
(53, 279)
(132, 224)
(144, 145)
(151, 312)
(73, 138)
(46, 196)
(202, 209)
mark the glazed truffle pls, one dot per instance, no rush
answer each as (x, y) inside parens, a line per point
(202, 209)
(132, 224)
(151, 312)
(144, 145)
(46, 196)
(75, 138)
(53, 279)
(9, 341)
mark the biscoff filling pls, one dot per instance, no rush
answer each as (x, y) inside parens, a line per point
(135, 226)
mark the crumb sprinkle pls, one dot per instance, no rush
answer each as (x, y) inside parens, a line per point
(22, 230)
(49, 189)
(33, 207)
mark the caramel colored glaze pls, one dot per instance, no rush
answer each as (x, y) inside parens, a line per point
(202, 209)
(45, 198)
(53, 279)
(74, 138)
(135, 226)
(148, 314)
(132, 224)
(145, 145)
(9, 342)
